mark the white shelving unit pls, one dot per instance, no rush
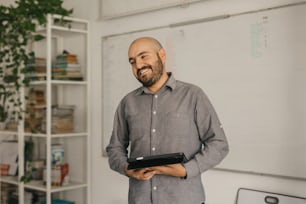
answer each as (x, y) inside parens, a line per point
(73, 37)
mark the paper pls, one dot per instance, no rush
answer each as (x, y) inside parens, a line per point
(9, 155)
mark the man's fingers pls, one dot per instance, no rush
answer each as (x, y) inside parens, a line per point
(143, 174)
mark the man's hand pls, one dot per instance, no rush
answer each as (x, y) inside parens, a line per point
(177, 170)
(140, 174)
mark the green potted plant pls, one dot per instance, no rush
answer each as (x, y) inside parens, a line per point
(18, 24)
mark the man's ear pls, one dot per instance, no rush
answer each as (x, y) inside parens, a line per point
(162, 55)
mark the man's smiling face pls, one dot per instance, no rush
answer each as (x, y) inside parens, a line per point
(145, 61)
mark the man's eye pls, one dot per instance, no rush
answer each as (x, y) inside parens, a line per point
(143, 56)
(132, 62)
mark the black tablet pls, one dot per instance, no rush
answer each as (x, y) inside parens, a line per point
(156, 160)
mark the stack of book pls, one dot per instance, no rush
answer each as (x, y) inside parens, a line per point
(36, 106)
(67, 67)
(37, 69)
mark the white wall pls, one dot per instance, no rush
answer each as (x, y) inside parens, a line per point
(108, 187)
(111, 188)
(221, 186)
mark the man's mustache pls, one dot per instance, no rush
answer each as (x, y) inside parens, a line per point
(142, 68)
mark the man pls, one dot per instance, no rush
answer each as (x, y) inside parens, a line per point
(164, 116)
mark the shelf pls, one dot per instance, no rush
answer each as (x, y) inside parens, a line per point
(73, 26)
(59, 28)
(58, 31)
(9, 179)
(59, 82)
(69, 82)
(74, 37)
(77, 134)
(55, 16)
(8, 133)
(38, 185)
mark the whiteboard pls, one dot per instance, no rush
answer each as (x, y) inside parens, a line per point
(250, 196)
(118, 8)
(253, 69)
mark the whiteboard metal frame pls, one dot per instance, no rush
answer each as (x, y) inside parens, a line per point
(142, 8)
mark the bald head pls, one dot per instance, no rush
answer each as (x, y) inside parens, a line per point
(148, 41)
(145, 45)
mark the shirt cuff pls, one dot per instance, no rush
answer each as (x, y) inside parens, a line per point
(122, 169)
(192, 168)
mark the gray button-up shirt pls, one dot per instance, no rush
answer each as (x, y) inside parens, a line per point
(178, 118)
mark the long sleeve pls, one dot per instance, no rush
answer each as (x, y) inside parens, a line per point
(117, 148)
(211, 133)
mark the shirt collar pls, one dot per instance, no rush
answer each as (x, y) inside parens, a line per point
(171, 84)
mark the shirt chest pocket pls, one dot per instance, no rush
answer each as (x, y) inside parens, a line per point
(178, 124)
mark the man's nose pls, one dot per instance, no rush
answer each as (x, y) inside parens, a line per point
(139, 64)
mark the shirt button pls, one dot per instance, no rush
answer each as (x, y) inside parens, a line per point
(153, 148)
(154, 188)
(154, 112)
(156, 96)
(153, 130)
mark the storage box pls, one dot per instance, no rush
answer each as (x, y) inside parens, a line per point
(59, 202)
(62, 119)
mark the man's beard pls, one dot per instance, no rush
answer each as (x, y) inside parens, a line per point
(150, 80)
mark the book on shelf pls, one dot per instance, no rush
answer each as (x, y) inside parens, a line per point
(67, 67)
(35, 76)
(36, 69)
(67, 57)
(38, 62)
(67, 74)
(58, 152)
(65, 70)
(69, 78)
